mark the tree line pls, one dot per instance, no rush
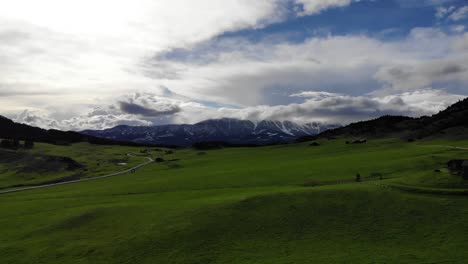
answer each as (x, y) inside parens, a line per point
(16, 144)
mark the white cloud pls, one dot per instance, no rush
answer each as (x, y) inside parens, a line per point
(245, 74)
(317, 6)
(59, 64)
(460, 43)
(95, 119)
(332, 109)
(442, 11)
(315, 96)
(355, 64)
(458, 28)
(459, 14)
(423, 74)
(428, 101)
(95, 49)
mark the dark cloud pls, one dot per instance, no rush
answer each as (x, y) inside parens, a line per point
(400, 73)
(451, 69)
(136, 109)
(433, 69)
(431, 73)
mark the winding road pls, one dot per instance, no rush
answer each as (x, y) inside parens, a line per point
(150, 160)
(443, 146)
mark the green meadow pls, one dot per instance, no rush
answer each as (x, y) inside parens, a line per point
(292, 203)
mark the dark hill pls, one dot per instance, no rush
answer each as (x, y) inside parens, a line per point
(12, 130)
(455, 116)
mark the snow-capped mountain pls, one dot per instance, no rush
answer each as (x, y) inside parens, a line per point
(232, 131)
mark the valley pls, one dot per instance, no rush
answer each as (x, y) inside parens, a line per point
(288, 203)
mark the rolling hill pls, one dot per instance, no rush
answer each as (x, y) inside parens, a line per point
(276, 204)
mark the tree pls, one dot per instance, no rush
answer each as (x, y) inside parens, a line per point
(5, 143)
(16, 143)
(10, 143)
(29, 144)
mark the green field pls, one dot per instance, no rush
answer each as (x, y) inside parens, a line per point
(277, 204)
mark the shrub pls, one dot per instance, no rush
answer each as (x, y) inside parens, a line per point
(159, 160)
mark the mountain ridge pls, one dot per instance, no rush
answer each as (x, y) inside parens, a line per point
(453, 120)
(442, 123)
(229, 130)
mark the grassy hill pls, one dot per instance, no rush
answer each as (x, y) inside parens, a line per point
(277, 204)
(451, 122)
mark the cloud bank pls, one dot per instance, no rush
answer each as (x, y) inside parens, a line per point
(316, 107)
(154, 62)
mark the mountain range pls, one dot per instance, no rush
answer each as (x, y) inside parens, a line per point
(232, 131)
(452, 122)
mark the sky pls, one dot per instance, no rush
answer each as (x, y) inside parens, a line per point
(75, 65)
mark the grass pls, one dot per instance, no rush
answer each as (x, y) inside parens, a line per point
(35, 167)
(246, 205)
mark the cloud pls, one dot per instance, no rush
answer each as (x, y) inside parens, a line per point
(43, 119)
(331, 108)
(419, 75)
(345, 109)
(270, 71)
(315, 96)
(442, 11)
(56, 62)
(148, 105)
(460, 14)
(269, 79)
(419, 3)
(135, 109)
(460, 43)
(96, 57)
(310, 7)
(452, 13)
(457, 28)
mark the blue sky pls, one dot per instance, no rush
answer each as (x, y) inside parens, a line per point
(365, 17)
(332, 61)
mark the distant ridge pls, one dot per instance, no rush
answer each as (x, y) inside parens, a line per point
(452, 121)
(227, 130)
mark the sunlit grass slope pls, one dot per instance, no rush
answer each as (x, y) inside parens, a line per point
(278, 204)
